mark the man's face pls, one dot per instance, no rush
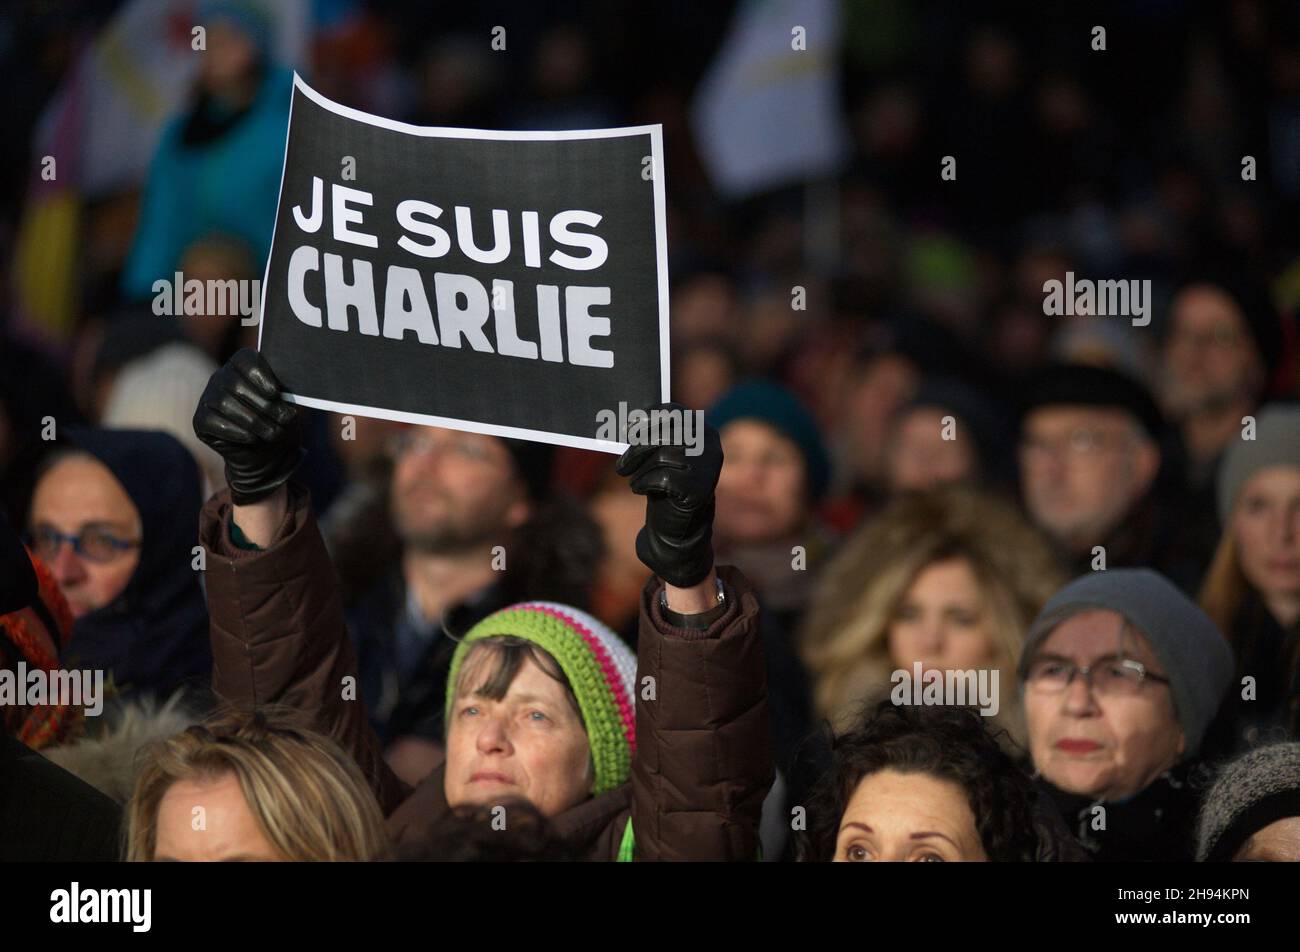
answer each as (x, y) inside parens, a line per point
(529, 745)
(79, 496)
(762, 487)
(1082, 470)
(453, 491)
(1101, 743)
(228, 831)
(1209, 360)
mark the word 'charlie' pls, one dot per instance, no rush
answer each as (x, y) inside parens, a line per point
(461, 301)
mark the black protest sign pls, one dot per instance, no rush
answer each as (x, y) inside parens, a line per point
(511, 283)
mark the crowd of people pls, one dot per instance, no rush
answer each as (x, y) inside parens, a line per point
(357, 639)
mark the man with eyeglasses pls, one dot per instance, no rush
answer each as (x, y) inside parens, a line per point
(1121, 676)
(1089, 459)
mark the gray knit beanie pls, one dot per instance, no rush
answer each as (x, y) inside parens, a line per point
(1256, 789)
(1276, 443)
(1191, 649)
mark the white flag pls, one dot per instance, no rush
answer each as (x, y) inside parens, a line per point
(768, 112)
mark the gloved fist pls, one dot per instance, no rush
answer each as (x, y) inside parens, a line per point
(676, 542)
(243, 418)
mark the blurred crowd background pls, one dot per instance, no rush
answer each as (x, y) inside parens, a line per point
(917, 455)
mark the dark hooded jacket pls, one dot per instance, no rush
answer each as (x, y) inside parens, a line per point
(153, 638)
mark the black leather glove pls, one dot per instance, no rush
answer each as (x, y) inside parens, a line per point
(676, 542)
(242, 417)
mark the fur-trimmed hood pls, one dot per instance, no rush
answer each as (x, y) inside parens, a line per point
(107, 757)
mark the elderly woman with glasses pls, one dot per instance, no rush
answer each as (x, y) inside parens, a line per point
(1121, 675)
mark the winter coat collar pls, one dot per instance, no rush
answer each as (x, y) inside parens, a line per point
(588, 827)
(1154, 824)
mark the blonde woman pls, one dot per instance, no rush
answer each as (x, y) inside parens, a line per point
(949, 579)
(252, 788)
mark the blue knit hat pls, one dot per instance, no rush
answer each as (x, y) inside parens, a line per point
(780, 409)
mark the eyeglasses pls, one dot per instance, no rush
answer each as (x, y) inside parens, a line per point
(1109, 677)
(416, 442)
(1077, 443)
(92, 543)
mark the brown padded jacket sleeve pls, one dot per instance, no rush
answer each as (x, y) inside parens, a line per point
(278, 634)
(704, 760)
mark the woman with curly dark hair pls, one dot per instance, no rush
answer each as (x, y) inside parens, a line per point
(914, 783)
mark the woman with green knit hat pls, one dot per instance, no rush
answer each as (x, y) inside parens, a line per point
(665, 756)
(540, 705)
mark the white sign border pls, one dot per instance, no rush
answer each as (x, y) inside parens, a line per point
(445, 132)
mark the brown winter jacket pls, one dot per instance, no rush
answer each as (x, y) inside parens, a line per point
(704, 750)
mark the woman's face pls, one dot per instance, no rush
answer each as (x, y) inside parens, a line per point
(1266, 524)
(1106, 745)
(761, 490)
(943, 621)
(530, 745)
(908, 818)
(209, 820)
(80, 496)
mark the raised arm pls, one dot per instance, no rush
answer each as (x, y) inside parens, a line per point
(704, 759)
(278, 633)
